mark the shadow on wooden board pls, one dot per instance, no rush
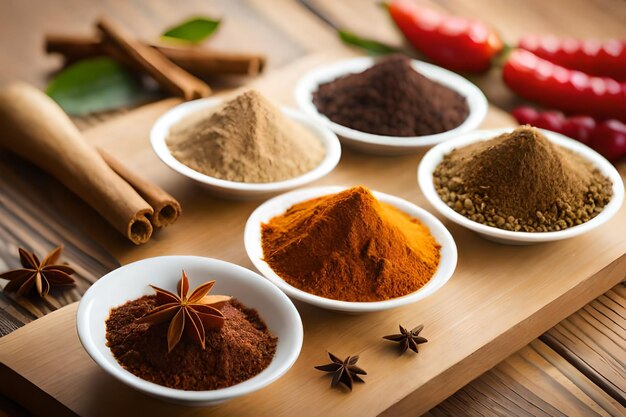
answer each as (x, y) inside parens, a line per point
(35, 401)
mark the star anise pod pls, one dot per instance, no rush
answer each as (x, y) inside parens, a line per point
(408, 339)
(39, 275)
(344, 371)
(191, 314)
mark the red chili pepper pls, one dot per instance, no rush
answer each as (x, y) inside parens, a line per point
(608, 137)
(525, 115)
(453, 42)
(572, 91)
(576, 127)
(601, 58)
(579, 128)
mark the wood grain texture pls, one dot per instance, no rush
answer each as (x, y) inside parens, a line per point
(23, 24)
(589, 359)
(37, 221)
(245, 29)
(254, 25)
(23, 199)
(537, 285)
(535, 381)
(594, 341)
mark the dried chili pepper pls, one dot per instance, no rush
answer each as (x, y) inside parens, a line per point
(601, 58)
(572, 91)
(454, 42)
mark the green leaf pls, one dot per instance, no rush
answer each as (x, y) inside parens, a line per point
(194, 30)
(369, 45)
(93, 85)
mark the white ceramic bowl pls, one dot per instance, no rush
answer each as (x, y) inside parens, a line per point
(243, 190)
(390, 145)
(433, 157)
(278, 205)
(131, 281)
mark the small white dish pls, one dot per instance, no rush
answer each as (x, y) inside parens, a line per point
(433, 158)
(131, 281)
(390, 145)
(242, 190)
(278, 205)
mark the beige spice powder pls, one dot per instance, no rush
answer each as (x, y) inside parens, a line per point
(248, 139)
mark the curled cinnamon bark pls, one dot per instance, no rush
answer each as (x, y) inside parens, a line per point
(167, 74)
(36, 128)
(166, 208)
(205, 62)
(200, 61)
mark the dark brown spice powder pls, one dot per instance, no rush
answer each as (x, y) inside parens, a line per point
(392, 99)
(241, 349)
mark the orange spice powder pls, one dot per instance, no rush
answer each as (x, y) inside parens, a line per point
(350, 246)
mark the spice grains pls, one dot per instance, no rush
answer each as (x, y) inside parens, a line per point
(521, 181)
(391, 98)
(350, 246)
(241, 349)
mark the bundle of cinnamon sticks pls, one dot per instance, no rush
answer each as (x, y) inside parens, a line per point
(37, 129)
(172, 68)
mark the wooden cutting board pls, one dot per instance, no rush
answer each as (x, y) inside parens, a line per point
(499, 299)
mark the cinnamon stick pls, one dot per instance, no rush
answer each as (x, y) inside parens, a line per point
(166, 208)
(74, 47)
(205, 62)
(167, 74)
(37, 129)
(199, 61)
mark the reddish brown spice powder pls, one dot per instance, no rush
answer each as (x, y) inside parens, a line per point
(241, 349)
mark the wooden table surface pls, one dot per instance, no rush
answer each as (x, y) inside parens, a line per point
(576, 367)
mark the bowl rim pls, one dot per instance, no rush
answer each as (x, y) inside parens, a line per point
(476, 101)
(245, 387)
(445, 269)
(434, 156)
(161, 128)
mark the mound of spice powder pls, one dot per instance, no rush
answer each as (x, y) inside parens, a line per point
(521, 181)
(391, 99)
(350, 246)
(241, 349)
(247, 140)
